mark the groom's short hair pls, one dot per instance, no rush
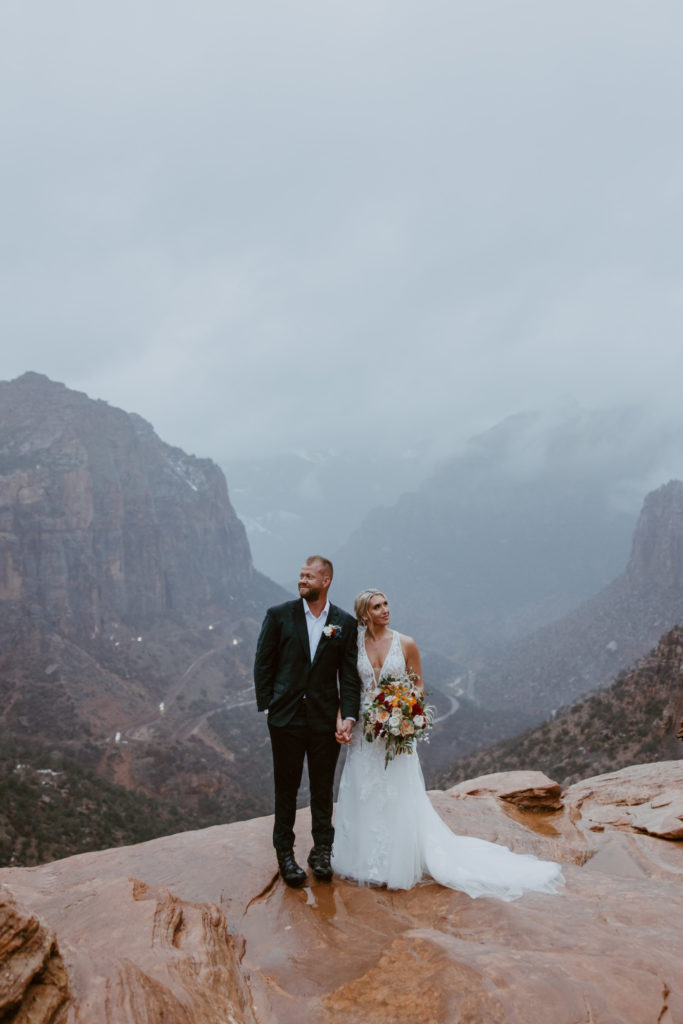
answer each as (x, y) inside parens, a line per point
(325, 562)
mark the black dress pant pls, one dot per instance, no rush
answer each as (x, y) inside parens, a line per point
(292, 744)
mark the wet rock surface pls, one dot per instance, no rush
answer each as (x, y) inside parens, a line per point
(197, 927)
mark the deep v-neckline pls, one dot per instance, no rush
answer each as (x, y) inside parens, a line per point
(365, 651)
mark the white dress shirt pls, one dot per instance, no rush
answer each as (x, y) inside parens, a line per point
(315, 626)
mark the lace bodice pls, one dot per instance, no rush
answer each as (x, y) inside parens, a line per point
(394, 663)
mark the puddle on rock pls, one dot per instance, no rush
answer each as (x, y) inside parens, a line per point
(540, 822)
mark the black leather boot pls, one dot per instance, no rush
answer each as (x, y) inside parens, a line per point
(290, 871)
(320, 864)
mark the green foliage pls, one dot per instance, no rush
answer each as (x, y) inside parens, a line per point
(45, 816)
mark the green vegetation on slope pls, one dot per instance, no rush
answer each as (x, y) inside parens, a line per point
(632, 721)
(52, 806)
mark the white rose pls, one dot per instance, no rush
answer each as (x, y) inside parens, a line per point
(419, 722)
(394, 724)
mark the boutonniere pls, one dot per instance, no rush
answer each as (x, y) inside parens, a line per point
(332, 630)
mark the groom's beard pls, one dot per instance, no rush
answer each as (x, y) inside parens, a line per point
(309, 593)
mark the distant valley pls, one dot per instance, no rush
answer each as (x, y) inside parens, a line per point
(130, 608)
(633, 720)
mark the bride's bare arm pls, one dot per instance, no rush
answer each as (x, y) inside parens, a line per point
(412, 658)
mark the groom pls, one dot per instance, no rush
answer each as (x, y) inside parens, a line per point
(305, 671)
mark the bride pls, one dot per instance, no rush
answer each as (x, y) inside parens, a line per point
(386, 830)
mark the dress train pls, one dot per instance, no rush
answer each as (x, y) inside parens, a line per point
(388, 833)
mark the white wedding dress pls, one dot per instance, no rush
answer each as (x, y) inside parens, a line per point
(388, 833)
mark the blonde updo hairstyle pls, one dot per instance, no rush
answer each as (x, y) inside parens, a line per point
(360, 605)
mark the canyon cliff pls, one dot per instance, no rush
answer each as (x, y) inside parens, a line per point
(562, 662)
(92, 507)
(545, 673)
(129, 615)
(129, 606)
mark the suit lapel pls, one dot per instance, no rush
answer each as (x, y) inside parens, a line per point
(301, 628)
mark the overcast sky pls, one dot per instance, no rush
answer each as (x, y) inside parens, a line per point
(264, 225)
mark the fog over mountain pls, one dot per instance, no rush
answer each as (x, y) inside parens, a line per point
(363, 227)
(302, 502)
(523, 523)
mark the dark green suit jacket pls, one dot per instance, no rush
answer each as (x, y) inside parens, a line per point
(284, 673)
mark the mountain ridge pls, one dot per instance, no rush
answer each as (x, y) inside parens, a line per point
(634, 719)
(129, 607)
(561, 662)
(526, 521)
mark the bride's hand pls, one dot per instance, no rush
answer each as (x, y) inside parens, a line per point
(339, 729)
(344, 729)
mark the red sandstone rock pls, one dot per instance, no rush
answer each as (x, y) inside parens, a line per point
(635, 798)
(526, 789)
(33, 981)
(196, 928)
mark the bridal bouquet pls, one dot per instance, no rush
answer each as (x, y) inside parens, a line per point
(398, 716)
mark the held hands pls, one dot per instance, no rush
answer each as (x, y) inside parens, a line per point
(343, 730)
